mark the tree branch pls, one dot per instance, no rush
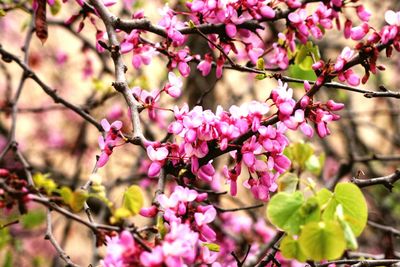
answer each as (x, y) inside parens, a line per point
(121, 84)
(7, 56)
(386, 181)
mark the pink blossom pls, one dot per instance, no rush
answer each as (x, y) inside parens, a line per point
(174, 86)
(357, 33)
(392, 18)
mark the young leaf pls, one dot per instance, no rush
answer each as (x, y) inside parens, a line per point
(284, 211)
(323, 197)
(55, 8)
(212, 246)
(133, 199)
(354, 206)
(299, 153)
(33, 218)
(42, 181)
(348, 233)
(322, 240)
(313, 164)
(288, 182)
(290, 249)
(310, 211)
(8, 260)
(78, 199)
(5, 237)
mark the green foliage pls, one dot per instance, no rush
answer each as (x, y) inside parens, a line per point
(288, 182)
(322, 240)
(320, 226)
(8, 260)
(161, 227)
(33, 219)
(55, 8)
(75, 199)
(303, 158)
(305, 56)
(131, 204)
(5, 237)
(284, 211)
(290, 249)
(212, 246)
(42, 181)
(354, 206)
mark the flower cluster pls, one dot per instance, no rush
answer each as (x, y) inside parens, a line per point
(9, 200)
(121, 251)
(111, 140)
(186, 238)
(307, 111)
(188, 230)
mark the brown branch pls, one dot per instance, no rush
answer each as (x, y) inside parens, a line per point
(7, 56)
(120, 83)
(385, 228)
(144, 24)
(263, 253)
(377, 157)
(359, 263)
(367, 93)
(387, 181)
(49, 236)
(219, 209)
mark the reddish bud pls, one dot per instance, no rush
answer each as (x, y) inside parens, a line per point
(4, 173)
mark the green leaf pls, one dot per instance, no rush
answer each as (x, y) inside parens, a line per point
(5, 237)
(305, 55)
(260, 64)
(161, 227)
(66, 194)
(78, 200)
(355, 209)
(42, 181)
(261, 76)
(33, 218)
(120, 213)
(8, 261)
(313, 164)
(299, 153)
(212, 246)
(288, 182)
(323, 197)
(55, 8)
(290, 249)
(310, 210)
(322, 240)
(284, 211)
(133, 199)
(351, 240)
(2, 12)
(296, 72)
(191, 24)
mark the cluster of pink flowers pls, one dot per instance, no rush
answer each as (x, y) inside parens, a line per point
(186, 238)
(111, 140)
(121, 251)
(301, 26)
(307, 111)
(227, 12)
(262, 154)
(188, 231)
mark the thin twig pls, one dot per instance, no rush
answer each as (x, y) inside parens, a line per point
(386, 181)
(49, 236)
